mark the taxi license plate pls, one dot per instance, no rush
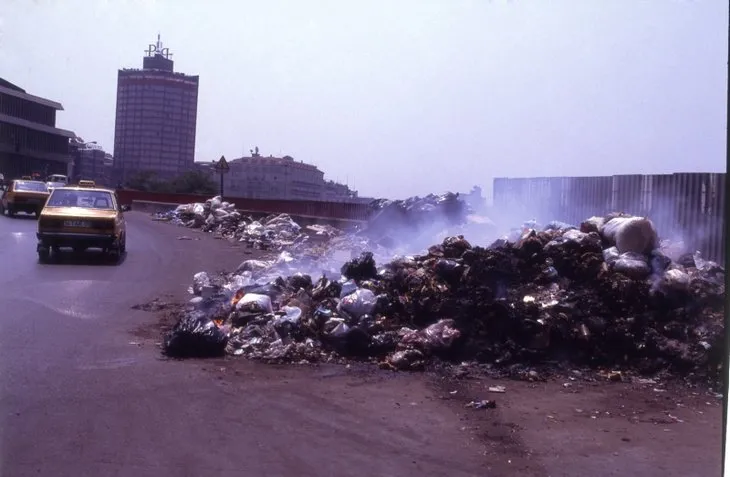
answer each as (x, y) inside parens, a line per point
(77, 223)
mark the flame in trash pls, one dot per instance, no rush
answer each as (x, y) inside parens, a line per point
(237, 297)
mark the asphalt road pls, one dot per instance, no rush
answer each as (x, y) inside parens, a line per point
(78, 396)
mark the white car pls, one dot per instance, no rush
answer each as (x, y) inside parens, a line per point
(53, 185)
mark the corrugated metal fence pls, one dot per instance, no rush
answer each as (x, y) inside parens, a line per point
(687, 206)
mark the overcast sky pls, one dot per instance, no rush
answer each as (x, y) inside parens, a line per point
(404, 97)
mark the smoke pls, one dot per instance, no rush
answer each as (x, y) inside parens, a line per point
(411, 226)
(681, 228)
(674, 240)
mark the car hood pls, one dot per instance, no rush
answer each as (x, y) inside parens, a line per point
(78, 212)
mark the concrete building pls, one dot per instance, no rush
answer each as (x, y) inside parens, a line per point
(259, 177)
(109, 169)
(156, 118)
(88, 160)
(30, 142)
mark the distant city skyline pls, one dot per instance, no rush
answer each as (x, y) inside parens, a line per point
(406, 97)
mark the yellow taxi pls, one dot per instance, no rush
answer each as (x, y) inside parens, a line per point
(23, 196)
(82, 217)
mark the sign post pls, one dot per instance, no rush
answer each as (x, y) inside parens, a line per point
(222, 167)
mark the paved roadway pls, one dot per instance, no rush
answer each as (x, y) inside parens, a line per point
(78, 399)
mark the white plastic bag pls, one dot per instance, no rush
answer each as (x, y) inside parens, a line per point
(198, 209)
(292, 314)
(239, 281)
(348, 287)
(200, 280)
(255, 302)
(675, 279)
(253, 265)
(610, 255)
(358, 303)
(631, 234)
(215, 202)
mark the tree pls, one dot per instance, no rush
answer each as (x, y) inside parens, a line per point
(194, 182)
(142, 180)
(191, 182)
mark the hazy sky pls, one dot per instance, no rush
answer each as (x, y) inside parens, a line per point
(404, 97)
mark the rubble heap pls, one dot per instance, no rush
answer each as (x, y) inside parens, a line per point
(221, 218)
(602, 294)
(390, 219)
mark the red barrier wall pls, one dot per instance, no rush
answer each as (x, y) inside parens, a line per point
(328, 210)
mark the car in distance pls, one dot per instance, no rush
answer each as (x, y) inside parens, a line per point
(56, 180)
(82, 217)
(23, 196)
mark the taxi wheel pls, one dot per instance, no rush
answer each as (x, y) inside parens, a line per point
(123, 245)
(44, 255)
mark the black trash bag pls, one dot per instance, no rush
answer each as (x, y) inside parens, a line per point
(361, 268)
(659, 262)
(299, 280)
(326, 289)
(195, 336)
(448, 270)
(349, 341)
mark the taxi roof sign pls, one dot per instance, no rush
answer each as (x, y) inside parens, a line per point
(222, 165)
(85, 183)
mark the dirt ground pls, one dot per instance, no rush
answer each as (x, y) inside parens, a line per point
(572, 425)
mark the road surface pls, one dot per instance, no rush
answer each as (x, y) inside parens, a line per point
(81, 394)
(79, 400)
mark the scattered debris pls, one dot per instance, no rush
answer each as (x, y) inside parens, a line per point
(152, 306)
(483, 404)
(497, 389)
(221, 218)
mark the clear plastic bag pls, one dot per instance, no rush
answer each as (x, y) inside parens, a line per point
(358, 303)
(438, 336)
(633, 265)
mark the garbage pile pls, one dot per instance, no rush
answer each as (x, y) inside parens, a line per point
(221, 218)
(392, 219)
(602, 294)
(392, 223)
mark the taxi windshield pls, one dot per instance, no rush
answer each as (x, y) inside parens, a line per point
(30, 186)
(89, 199)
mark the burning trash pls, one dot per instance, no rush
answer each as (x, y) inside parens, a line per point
(601, 294)
(391, 219)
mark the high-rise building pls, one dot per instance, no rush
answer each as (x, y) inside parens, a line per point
(30, 142)
(88, 158)
(156, 116)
